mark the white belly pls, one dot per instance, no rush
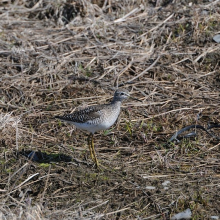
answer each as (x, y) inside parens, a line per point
(105, 123)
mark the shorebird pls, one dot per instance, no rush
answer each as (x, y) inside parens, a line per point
(97, 117)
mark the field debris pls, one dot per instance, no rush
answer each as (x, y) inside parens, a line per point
(61, 55)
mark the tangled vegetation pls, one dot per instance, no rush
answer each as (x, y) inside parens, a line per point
(61, 55)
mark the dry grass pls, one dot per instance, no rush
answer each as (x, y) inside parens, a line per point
(60, 55)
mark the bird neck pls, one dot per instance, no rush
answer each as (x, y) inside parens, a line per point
(116, 102)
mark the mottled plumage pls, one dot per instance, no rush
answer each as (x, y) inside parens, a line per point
(97, 117)
(84, 115)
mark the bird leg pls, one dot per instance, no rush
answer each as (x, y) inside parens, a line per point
(93, 151)
(90, 144)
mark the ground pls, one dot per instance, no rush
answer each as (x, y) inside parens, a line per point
(59, 56)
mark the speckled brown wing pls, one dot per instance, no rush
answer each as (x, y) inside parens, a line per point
(84, 115)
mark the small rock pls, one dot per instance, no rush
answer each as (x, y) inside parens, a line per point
(187, 214)
(165, 183)
(150, 187)
(216, 38)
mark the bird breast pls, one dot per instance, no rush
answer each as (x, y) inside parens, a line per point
(109, 118)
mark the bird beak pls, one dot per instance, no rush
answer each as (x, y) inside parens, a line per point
(135, 99)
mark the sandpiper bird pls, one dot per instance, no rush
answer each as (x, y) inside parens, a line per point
(96, 118)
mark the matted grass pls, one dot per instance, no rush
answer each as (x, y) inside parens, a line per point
(58, 56)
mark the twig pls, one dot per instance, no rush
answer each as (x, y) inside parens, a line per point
(32, 176)
(45, 187)
(136, 10)
(148, 68)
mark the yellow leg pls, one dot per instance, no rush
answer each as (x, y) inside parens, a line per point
(90, 148)
(93, 151)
